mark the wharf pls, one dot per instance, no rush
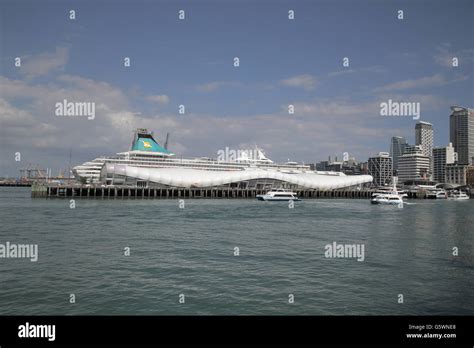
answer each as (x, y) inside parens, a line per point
(14, 184)
(120, 192)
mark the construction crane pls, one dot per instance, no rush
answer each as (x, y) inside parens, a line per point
(32, 171)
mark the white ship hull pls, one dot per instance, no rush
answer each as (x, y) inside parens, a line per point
(278, 196)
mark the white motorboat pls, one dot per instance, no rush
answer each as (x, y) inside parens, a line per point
(278, 195)
(458, 196)
(435, 193)
(391, 197)
(385, 190)
(387, 198)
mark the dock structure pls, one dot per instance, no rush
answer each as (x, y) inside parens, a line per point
(120, 192)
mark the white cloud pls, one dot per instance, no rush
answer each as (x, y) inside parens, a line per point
(332, 109)
(305, 81)
(12, 116)
(436, 80)
(317, 128)
(160, 99)
(215, 85)
(209, 87)
(17, 125)
(445, 53)
(35, 105)
(342, 72)
(376, 69)
(44, 63)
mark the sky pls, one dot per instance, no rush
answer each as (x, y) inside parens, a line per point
(190, 62)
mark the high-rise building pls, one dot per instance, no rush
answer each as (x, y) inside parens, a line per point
(380, 167)
(461, 133)
(413, 164)
(424, 137)
(413, 149)
(441, 157)
(397, 149)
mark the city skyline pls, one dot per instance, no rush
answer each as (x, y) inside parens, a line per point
(421, 161)
(418, 136)
(282, 62)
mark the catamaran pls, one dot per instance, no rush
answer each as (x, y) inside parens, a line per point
(278, 195)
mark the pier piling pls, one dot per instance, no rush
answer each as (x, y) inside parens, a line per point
(114, 192)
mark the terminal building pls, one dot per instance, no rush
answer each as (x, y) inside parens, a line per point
(148, 164)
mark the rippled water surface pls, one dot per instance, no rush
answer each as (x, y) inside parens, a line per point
(190, 251)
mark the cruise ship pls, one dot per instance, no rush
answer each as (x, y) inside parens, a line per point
(148, 164)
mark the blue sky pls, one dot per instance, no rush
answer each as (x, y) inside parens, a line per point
(190, 62)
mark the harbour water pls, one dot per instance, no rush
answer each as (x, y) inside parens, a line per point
(190, 251)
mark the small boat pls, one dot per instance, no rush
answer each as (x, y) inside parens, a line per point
(458, 196)
(387, 198)
(391, 197)
(278, 195)
(436, 194)
(385, 190)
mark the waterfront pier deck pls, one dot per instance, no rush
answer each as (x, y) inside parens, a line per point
(120, 192)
